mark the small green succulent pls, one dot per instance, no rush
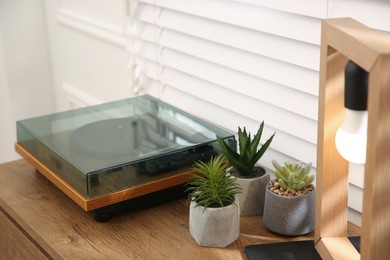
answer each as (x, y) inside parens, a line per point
(245, 160)
(292, 175)
(213, 185)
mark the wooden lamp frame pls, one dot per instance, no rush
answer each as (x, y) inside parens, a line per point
(345, 39)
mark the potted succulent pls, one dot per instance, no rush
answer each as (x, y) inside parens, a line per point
(251, 178)
(290, 200)
(214, 209)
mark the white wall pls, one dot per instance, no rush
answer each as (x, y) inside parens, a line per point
(87, 46)
(6, 114)
(25, 74)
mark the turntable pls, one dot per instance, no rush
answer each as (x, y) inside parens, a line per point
(123, 153)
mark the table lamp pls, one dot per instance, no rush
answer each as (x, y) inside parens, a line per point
(351, 138)
(364, 54)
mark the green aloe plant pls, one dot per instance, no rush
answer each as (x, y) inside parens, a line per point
(248, 155)
(213, 185)
(292, 175)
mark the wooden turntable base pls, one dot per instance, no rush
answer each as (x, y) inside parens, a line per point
(104, 205)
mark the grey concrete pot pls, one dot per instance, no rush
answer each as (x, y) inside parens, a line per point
(291, 216)
(253, 193)
(215, 227)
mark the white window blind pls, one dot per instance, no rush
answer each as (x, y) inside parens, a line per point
(237, 63)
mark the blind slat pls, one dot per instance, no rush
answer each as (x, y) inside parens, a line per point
(311, 8)
(298, 27)
(246, 106)
(256, 42)
(285, 74)
(265, 91)
(375, 14)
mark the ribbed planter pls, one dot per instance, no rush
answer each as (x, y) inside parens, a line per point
(252, 198)
(215, 227)
(291, 216)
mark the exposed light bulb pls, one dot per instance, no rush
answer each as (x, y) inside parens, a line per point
(351, 138)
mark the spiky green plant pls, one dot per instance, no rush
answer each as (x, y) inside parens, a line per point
(248, 155)
(292, 175)
(213, 185)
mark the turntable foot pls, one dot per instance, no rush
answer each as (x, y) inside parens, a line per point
(101, 216)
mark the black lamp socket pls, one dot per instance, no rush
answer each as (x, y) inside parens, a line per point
(356, 87)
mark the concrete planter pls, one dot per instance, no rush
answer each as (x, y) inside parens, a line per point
(253, 193)
(291, 216)
(215, 227)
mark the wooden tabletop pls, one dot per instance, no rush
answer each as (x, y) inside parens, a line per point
(58, 228)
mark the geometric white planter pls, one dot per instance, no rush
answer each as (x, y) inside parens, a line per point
(215, 227)
(252, 194)
(291, 216)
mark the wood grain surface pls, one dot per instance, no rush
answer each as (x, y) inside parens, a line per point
(64, 231)
(14, 244)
